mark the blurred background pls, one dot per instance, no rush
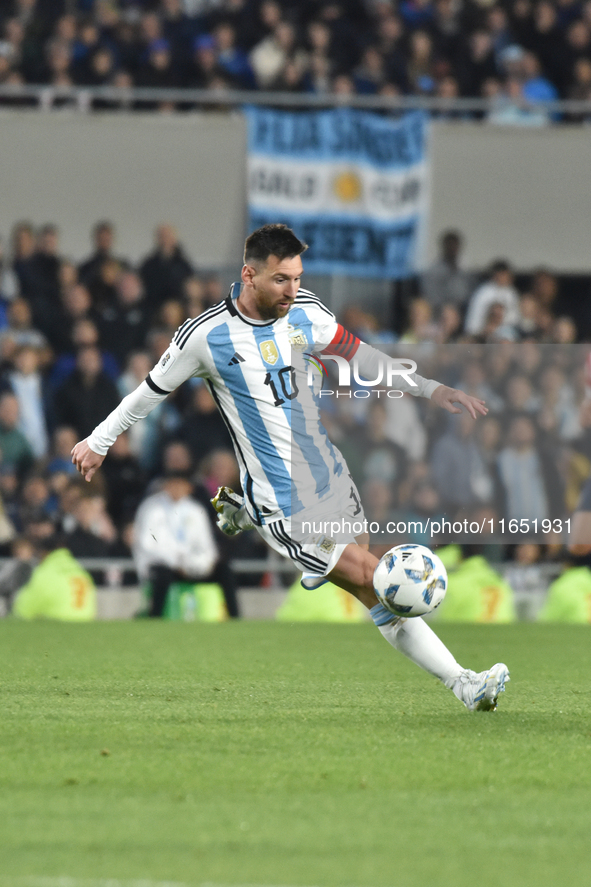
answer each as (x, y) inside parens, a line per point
(131, 173)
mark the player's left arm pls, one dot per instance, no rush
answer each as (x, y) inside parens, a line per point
(345, 344)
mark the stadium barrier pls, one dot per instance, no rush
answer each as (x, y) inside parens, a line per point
(122, 601)
(99, 98)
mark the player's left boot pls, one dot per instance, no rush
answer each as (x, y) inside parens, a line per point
(232, 514)
(480, 692)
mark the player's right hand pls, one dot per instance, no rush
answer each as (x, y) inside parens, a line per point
(86, 460)
(227, 503)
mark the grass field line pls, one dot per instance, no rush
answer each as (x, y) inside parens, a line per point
(66, 881)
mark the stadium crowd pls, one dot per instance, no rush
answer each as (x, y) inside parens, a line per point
(510, 52)
(76, 337)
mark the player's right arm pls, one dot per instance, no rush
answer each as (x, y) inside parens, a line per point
(174, 367)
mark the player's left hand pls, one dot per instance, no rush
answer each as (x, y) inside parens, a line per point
(447, 397)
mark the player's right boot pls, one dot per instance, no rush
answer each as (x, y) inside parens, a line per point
(480, 692)
(232, 514)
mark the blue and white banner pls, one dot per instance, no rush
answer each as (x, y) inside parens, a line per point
(354, 185)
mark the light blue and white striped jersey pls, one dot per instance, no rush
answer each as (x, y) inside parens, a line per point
(257, 374)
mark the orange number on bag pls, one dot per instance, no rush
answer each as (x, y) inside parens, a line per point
(79, 589)
(492, 599)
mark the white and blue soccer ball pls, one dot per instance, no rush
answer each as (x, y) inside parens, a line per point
(410, 580)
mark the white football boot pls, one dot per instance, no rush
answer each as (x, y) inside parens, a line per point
(479, 692)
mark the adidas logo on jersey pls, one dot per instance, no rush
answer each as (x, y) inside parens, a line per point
(236, 359)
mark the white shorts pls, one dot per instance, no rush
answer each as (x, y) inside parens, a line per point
(316, 538)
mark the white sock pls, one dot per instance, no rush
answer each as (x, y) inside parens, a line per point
(420, 644)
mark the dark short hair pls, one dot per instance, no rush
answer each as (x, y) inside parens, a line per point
(499, 265)
(450, 235)
(272, 240)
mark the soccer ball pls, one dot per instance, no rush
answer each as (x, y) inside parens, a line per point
(410, 580)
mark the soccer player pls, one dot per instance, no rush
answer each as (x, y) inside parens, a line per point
(250, 349)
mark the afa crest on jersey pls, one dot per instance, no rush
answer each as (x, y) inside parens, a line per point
(269, 351)
(297, 339)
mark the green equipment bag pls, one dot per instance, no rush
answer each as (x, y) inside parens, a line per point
(195, 602)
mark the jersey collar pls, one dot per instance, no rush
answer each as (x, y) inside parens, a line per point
(231, 304)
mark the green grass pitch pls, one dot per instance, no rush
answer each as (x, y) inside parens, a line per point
(271, 754)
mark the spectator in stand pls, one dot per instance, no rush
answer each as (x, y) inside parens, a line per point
(14, 446)
(474, 379)
(46, 266)
(84, 332)
(269, 57)
(177, 27)
(20, 332)
(83, 49)
(449, 324)
(530, 479)
(479, 64)
(103, 285)
(101, 68)
(536, 88)
(69, 497)
(58, 64)
(320, 62)
(202, 428)
(9, 285)
(9, 492)
(165, 269)
(404, 426)
(498, 289)
(445, 281)
(421, 62)
(520, 396)
(417, 13)
(511, 108)
(173, 540)
(125, 482)
(158, 70)
(94, 533)
(26, 382)
(60, 458)
(170, 316)
(370, 73)
(35, 500)
(232, 60)
(203, 67)
(124, 326)
(75, 304)
(373, 454)
(390, 37)
(497, 23)
(458, 469)
(23, 250)
(420, 324)
(194, 296)
(546, 39)
(87, 396)
(103, 237)
(559, 411)
(580, 90)
(177, 457)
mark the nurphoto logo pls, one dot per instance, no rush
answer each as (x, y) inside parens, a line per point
(388, 368)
